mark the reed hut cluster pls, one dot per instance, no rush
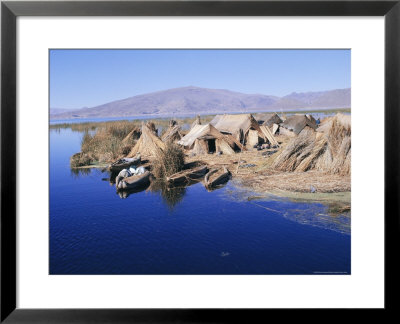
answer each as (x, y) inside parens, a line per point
(309, 145)
(294, 144)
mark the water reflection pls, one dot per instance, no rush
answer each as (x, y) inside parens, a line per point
(123, 194)
(171, 196)
(331, 215)
(217, 187)
(79, 172)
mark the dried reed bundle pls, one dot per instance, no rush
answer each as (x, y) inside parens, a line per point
(148, 144)
(133, 135)
(168, 161)
(328, 149)
(296, 150)
(172, 134)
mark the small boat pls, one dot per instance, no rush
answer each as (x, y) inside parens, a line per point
(187, 175)
(216, 177)
(124, 163)
(133, 182)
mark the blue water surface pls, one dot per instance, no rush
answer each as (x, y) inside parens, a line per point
(186, 231)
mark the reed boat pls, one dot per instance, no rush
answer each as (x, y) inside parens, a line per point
(133, 182)
(216, 177)
(124, 163)
(187, 175)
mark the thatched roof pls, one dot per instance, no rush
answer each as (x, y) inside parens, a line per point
(235, 124)
(199, 147)
(268, 119)
(223, 146)
(238, 125)
(148, 144)
(133, 134)
(312, 120)
(151, 126)
(199, 132)
(297, 122)
(172, 134)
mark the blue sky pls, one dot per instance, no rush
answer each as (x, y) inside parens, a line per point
(87, 78)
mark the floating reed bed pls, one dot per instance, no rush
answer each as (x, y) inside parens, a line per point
(295, 181)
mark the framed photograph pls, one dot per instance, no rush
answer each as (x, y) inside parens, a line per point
(197, 161)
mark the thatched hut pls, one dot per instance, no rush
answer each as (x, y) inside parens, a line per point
(244, 128)
(173, 133)
(204, 139)
(296, 123)
(134, 134)
(152, 127)
(328, 149)
(148, 144)
(236, 125)
(268, 119)
(312, 120)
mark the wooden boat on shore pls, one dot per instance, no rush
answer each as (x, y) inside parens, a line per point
(216, 177)
(187, 175)
(133, 182)
(124, 163)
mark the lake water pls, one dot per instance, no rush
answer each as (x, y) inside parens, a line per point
(93, 230)
(316, 115)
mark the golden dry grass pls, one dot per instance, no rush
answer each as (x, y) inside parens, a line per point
(328, 150)
(295, 181)
(168, 161)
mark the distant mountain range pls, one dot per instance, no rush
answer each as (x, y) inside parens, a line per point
(195, 100)
(54, 111)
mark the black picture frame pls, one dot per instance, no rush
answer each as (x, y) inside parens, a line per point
(10, 10)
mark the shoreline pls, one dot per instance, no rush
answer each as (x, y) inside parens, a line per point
(53, 121)
(255, 186)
